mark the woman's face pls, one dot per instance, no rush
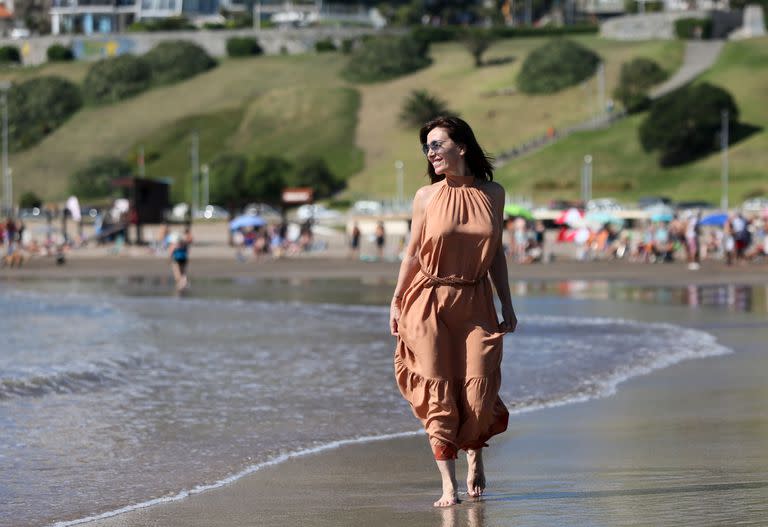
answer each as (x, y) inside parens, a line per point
(447, 157)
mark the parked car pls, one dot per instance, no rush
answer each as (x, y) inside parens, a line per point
(34, 212)
(19, 32)
(564, 204)
(212, 212)
(687, 205)
(316, 212)
(650, 201)
(367, 207)
(755, 205)
(603, 205)
(267, 212)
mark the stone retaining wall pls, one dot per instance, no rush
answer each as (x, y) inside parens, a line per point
(648, 26)
(93, 47)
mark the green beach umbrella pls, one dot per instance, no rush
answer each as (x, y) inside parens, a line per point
(518, 210)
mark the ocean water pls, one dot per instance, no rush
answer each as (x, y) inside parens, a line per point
(110, 401)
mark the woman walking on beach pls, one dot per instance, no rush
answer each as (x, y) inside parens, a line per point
(179, 250)
(449, 340)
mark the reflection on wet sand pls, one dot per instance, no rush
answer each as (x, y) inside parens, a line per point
(468, 514)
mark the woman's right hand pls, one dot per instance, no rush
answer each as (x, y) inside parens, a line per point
(394, 315)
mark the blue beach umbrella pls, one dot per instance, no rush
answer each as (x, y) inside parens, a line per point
(246, 220)
(601, 218)
(717, 219)
(660, 213)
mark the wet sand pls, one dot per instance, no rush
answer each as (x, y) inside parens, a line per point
(687, 445)
(318, 267)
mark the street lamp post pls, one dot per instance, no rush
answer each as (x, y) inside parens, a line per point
(586, 179)
(7, 203)
(724, 148)
(399, 165)
(206, 188)
(194, 154)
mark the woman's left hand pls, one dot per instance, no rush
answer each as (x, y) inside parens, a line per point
(510, 319)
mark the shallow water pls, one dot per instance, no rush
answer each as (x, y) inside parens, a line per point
(110, 399)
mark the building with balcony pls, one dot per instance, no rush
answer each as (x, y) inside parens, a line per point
(113, 16)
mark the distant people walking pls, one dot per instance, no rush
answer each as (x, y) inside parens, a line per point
(354, 242)
(449, 339)
(381, 239)
(692, 233)
(179, 251)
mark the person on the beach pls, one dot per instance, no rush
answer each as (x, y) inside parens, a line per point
(354, 242)
(179, 250)
(380, 237)
(449, 341)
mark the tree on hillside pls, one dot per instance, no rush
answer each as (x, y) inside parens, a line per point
(30, 200)
(635, 79)
(684, 124)
(266, 178)
(228, 184)
(313, 172)
(95, 179)
(477, 42)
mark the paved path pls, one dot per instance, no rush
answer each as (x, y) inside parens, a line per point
(700, 55)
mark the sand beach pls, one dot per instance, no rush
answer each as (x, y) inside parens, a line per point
(682, 445)
(685, 445)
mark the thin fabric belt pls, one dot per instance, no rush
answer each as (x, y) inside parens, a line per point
(454, 281)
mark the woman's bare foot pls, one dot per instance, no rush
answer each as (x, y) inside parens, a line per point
(447, 470)
(475, 473)
(448, 499)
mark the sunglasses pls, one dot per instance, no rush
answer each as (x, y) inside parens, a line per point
(435, 146)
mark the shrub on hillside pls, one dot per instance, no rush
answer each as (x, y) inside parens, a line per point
(95, 179)
(556, 65)
(116, 78)
(10, 54)
(324, 45)
(693, 28)
(313, 172)
(433, 34)
(59, 53)
(37, 107)
(383, 58)
(633, 6)
(684, 124)
(243, 47)
(176, 60)
(635, 78)
(174, 23)
(421, 107)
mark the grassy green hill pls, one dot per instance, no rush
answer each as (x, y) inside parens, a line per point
(500, 122)
(622, 169)
(299, 105)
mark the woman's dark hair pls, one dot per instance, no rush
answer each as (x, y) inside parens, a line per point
(480, 165)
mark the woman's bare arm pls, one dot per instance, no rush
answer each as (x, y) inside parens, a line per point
(410, 264)
(498, 270)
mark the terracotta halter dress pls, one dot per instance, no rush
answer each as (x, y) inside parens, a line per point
(449, 348)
